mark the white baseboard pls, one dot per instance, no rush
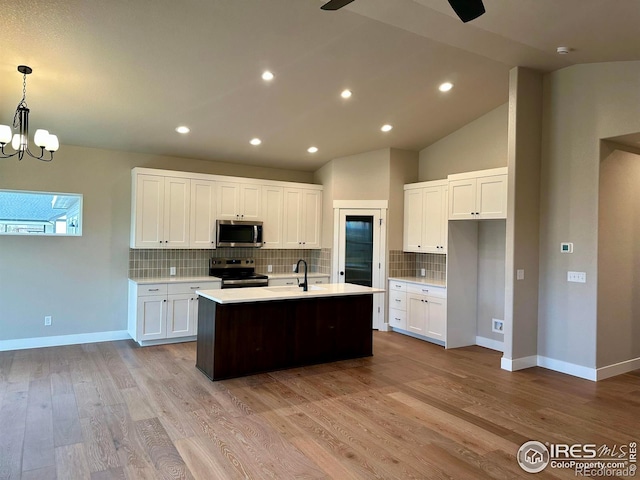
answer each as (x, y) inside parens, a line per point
(569, 368)
(39, 342)
(490, 343)
(515, 364)
(617, 368)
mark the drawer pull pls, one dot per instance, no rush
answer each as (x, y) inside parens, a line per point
(154, 289)
(396, 319)
(425, 290)
(398, 300)
(195, 288)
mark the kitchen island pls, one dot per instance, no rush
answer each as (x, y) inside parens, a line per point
(244, 331)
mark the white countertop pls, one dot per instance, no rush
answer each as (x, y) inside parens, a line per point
(294, 275)
(266, 294)
(147, 281)
(421, 281)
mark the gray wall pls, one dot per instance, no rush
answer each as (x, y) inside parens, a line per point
(491, 262)
(375, 175)
(523, 213)
(479, 145)
(82, 282)
(619, 258)
(582, 104)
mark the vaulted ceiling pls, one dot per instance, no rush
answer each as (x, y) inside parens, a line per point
(124, 74)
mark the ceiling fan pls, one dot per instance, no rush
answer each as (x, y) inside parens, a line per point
(467, 10)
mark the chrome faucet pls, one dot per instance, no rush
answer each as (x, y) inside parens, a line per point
(305, 284)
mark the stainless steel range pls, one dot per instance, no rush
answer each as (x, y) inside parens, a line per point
(237, 272)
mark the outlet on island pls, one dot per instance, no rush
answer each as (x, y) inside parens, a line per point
(269, 268)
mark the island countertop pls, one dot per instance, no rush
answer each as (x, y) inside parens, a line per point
(266, 294)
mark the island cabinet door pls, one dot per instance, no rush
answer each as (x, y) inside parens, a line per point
(255, 339)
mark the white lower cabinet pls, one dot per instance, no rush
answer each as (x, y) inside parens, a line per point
(419, 309)
(163, 313)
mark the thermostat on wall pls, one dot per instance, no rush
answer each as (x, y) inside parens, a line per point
(566, 247)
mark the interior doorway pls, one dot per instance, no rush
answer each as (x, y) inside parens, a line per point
(359, 252)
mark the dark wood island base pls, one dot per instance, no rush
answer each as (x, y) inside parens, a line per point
(238, 339)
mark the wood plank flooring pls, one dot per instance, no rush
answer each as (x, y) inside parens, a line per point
(412, 411)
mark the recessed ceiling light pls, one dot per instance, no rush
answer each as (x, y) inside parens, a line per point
(346, 93)
(386, 128)
(255, 141)
(312, 149)
(563, 50)
(267, 75)
(445, 87)
(182, 129)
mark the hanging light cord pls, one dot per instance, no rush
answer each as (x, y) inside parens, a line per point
(23, 102)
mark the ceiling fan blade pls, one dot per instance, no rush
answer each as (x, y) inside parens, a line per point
(467, 10)
(335, 4)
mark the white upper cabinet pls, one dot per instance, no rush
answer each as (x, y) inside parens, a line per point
(478, 195)
(180, 209)
(202, 224)
(238, 201)
(425, 217)
(161, 212)
(272, 218)
(302, 218)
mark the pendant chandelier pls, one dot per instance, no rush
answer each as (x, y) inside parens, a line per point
(20, 141)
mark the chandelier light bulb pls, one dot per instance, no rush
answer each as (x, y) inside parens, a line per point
(41, 137)
(5, 134)
(52, 144)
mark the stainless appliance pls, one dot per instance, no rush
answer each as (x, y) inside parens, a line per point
(238, 233)
(237, 272)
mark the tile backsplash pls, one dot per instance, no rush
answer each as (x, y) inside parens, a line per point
(407, 264)
(150, 263)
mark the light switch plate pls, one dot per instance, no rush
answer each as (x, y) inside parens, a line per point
(520, 274)
(566, 247)
(172, 271)
(578, 277)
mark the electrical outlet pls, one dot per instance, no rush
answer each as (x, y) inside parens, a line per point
(520, 274)
(269, 268)
(423, 272)
(47, 320)
(578, 277)
(293, 268)
(172, 271)
(497, 326)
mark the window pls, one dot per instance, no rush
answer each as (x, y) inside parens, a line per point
(40, 213)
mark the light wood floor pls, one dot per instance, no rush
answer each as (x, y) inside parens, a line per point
(413, 410)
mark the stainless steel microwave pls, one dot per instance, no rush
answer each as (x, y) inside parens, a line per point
(238, 233)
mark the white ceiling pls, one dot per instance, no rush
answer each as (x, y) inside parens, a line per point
(123, 74)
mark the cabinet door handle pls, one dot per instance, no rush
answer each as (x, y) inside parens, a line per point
(398, 300)
(164, 300)
(192, 299)
(154, 289)
(425, 290)
(289, 283)
(195, 288)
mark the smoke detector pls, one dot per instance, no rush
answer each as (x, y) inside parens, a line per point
(563, 50)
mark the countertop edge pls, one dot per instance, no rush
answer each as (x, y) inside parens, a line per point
(420, 281)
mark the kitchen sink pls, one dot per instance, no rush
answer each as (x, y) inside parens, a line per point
(291, 288)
